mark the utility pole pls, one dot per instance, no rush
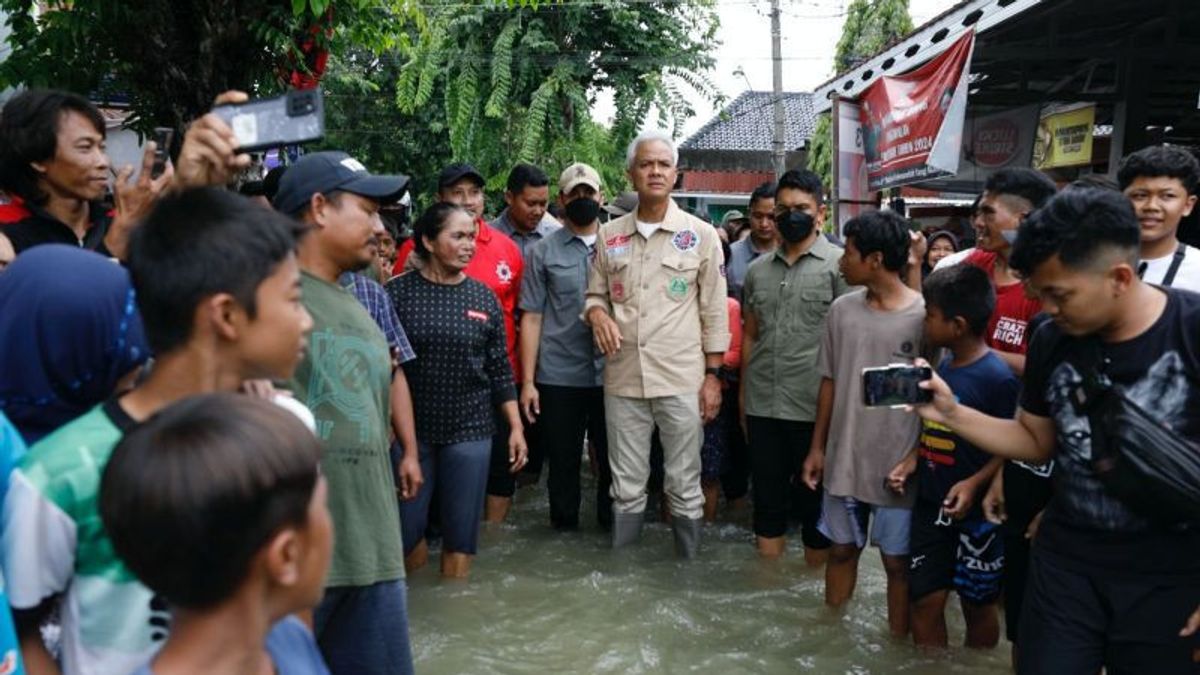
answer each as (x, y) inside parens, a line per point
(777, 147)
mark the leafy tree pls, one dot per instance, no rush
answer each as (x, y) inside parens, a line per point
(169, 58)
(517, 84)
(871, 25)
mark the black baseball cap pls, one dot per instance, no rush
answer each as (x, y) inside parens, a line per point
(328, 171)
(456, 172)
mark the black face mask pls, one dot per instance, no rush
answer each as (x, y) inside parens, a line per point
(582, 211)
(795, 226)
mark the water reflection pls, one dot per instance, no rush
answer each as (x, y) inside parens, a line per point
(543, 602)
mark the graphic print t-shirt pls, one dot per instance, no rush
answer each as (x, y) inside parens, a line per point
(1160, 371)
(344, 380)
(1008, 329)
(987, 385)
(111, 623)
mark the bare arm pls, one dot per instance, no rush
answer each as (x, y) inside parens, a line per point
(749, 336)
(33, 651)
(1015, 362)
(814, 466)
(1028, 438)
(409, 475)
(531, 336)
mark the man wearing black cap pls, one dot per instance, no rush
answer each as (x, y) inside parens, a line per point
(345, 379)
(499, 265)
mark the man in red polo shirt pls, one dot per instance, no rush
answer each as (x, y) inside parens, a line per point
(498, 264)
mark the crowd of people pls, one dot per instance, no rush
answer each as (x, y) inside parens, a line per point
(231, 424)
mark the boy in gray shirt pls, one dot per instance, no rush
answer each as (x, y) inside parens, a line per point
(855, 449)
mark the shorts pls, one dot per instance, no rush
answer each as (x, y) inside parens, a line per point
(966, 556)
(1080, 619)
(845, 520)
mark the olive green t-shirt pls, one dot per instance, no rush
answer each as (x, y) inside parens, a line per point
(344, 380)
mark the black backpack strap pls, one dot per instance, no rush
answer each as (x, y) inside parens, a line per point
(1176, 261)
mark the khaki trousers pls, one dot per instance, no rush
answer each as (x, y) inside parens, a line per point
(630, 424)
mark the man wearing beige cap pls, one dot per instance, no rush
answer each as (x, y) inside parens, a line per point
(562, 384)
(656, 305)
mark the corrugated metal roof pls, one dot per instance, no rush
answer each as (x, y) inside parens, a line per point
(746, 123)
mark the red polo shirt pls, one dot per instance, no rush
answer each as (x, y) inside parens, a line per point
(1008, 329)
(497, 263)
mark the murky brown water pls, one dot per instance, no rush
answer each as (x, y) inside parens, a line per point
(543, 602)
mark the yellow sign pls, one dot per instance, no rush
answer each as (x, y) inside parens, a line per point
(1064, 137)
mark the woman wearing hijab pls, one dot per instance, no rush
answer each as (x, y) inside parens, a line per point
(71, 336)
(941, 245)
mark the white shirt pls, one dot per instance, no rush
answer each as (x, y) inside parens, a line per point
(647, 229)
(589, 239)
(1186, 278)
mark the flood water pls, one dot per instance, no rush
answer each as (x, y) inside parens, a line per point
(544, 602)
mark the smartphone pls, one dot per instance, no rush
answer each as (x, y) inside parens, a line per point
(895, 386)
(295, 117)
(162, 150)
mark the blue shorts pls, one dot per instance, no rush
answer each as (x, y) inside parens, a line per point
(364, 629)
(459, 471)
(846, 521)
(966, 556)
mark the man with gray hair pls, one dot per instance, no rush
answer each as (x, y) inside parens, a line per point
(656, 305)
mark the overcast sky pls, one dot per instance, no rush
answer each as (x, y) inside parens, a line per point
(811, 29)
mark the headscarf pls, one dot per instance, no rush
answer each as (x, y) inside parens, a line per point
(69, 331)
(940, 234)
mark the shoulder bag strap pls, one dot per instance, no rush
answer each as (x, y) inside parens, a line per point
(1176, 261)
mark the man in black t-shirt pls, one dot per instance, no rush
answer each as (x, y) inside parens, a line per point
(1108, 588)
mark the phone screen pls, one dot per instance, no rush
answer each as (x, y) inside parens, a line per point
(895, 386)
(162, 150)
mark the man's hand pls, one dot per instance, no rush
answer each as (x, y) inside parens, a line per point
(605, 331)
(917, 247)
(710, 399)
(208, 155)
(409, 476)
(959, 499)
(944, 404)
(133, 199)
(898, 476)
(993, 501)
(531, 402)
(518, 451)
(814, 468)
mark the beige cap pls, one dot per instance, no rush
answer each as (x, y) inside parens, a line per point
(578, 174)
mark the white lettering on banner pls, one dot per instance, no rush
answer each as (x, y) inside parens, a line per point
(896, 133)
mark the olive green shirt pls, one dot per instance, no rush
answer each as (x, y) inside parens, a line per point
(790, 303)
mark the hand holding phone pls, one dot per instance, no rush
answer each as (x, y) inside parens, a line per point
(896, 386)
(295, 117)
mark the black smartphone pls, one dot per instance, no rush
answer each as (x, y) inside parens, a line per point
(295, 117)
(895, 386)
(162, 150)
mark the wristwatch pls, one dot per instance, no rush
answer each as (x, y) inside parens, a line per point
(715, 372)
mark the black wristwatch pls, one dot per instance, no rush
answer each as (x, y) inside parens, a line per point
(715, 372)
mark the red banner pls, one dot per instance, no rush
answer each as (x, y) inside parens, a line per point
(912, 124)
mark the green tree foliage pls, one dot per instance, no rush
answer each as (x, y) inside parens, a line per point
(517, 81)
(169, 58)
(871, 25)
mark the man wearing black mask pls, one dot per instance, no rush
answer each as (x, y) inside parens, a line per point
(562, 384)
(786, 296)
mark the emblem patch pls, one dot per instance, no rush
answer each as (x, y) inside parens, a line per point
(503, 271)
(685, 240)
(677, 287)
(618, 290)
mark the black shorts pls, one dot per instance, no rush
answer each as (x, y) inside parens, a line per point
(966, 556)
(1077, 621)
